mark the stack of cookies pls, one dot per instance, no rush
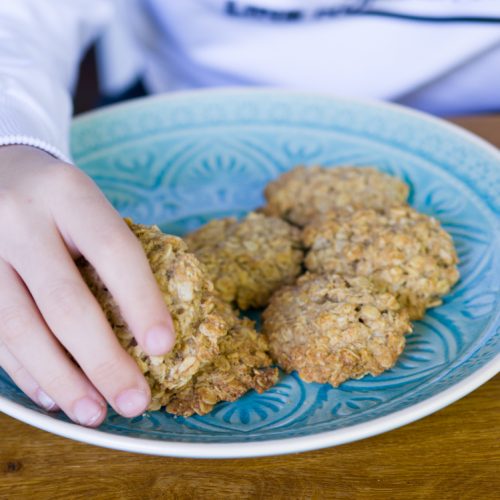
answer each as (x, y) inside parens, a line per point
(373, 264)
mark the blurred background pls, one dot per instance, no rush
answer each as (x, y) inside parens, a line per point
(87, 97)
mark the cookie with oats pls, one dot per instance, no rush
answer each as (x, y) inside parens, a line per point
(188, 295)
(403, 252)
(302, 193)
(243, 363)
(248, 260)
(331, 328)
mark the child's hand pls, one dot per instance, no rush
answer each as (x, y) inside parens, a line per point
(50, 213)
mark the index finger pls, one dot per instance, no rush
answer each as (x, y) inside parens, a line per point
(105, 240)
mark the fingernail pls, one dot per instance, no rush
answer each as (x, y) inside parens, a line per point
(159, 340)
(45, 400)
(87, 411)
(132, 402)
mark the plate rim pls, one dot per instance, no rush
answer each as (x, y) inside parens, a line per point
(283, 92)
(253, 449)
(269, 447)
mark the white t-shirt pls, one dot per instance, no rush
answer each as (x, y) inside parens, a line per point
(438, 55)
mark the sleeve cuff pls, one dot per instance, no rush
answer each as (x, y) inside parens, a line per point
(25, 119)
(25, 140)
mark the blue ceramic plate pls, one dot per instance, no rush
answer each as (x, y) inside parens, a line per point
(180, 160)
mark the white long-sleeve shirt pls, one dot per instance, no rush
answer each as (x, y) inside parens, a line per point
(438, 55)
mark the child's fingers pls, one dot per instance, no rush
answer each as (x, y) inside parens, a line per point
(24, 380)
(28, 339)
(101, 235)
(75, 318)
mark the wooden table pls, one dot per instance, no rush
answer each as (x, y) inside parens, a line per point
(453, 454)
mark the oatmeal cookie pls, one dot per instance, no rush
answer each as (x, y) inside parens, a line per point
(402, 251)
(248, 260)
(243, 363)
(304, 192)
(331, 328)
(189, 296)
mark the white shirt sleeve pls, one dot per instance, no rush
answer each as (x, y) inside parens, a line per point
(41, 45)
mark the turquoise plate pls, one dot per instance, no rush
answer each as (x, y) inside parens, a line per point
(183, 159)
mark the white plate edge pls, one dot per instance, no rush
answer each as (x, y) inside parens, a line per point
(256, 448)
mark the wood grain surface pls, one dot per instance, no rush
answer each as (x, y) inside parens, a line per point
(453, 454)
